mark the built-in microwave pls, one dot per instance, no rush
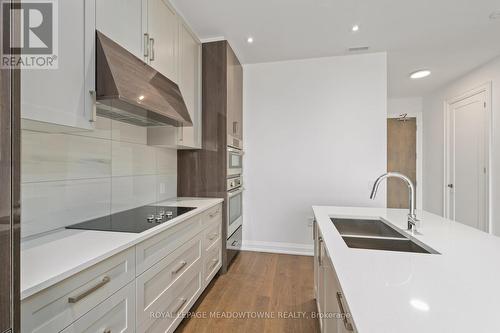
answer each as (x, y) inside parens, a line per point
(234, 162)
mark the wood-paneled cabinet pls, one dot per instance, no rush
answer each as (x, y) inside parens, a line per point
(62, 96)
(234, 96)
(334, 315)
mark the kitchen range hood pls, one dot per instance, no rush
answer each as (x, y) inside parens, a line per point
(131, 91)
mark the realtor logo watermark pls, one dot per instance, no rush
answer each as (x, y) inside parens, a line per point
(36, 45)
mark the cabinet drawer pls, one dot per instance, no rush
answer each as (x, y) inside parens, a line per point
(212, 235)
(56, 307)
(115, 314)
(213, 214)
(158, 247)
(156, 285)
(212, 263)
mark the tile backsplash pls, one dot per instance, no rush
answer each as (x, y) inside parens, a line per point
(70, 178)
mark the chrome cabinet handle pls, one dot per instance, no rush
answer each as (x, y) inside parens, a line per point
(152, 50)
(347, 324)
(179, 266)
(214, 263)
(93, 95)
(146, 46)
(213, 236)
(101, 284)
(214, 214)
(320, 247)
(234, 243)
(180, 303)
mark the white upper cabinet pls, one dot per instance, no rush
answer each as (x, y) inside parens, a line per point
(62, 96)
(122, 21)
(163, 36)
(189, 80)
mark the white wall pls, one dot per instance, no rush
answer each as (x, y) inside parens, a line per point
(413, 107)
(70, 178)
(434, 137)
(315, 134)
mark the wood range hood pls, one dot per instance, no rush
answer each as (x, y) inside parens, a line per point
(131, 91)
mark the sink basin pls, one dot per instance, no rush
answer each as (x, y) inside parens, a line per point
(384, 244)
(376, 234)
(366, 228)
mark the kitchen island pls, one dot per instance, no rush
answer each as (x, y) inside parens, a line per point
(454, 290)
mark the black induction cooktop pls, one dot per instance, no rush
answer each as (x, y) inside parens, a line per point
(135, 220)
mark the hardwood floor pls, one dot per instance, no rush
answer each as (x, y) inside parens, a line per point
(276, 286)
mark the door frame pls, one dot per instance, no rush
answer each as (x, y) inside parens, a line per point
(484, 88)
(419, 160)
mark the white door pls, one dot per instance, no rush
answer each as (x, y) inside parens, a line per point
(163, 34)
(467, 174)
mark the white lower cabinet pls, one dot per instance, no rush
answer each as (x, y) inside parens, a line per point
(116, 314)
(145, 288)
(334, 315)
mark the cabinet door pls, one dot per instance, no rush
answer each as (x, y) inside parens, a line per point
(189, 84)
(122, 21)
(234, 95)
(163, 34)
(331, 307)
(62, 96)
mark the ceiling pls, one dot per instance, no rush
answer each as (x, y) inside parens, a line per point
(450, 37)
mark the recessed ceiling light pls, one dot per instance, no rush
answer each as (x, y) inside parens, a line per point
(419, 305)
(250, 40)
(495, 15)
(355, 28)
(420, 74)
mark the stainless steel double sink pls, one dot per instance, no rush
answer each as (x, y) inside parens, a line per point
(377, 234)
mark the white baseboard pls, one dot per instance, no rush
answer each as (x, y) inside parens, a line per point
(278, 247)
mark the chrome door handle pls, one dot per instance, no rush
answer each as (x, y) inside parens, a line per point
(146, 46)
(234, 243)
(152, 50)
(347, 324)
(101, 284)
(179, 266)
(450, 186)
(180, 303)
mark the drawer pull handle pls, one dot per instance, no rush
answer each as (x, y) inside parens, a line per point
(213, 236)
(101, 284)
(181, 302)
(179, 266)
(214, 263)
(214, 214)
(107, 330)
(347, 324)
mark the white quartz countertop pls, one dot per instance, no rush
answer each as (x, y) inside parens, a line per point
(51, 258)
(455, 291)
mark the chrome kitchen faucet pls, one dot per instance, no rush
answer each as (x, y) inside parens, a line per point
(412, 216)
